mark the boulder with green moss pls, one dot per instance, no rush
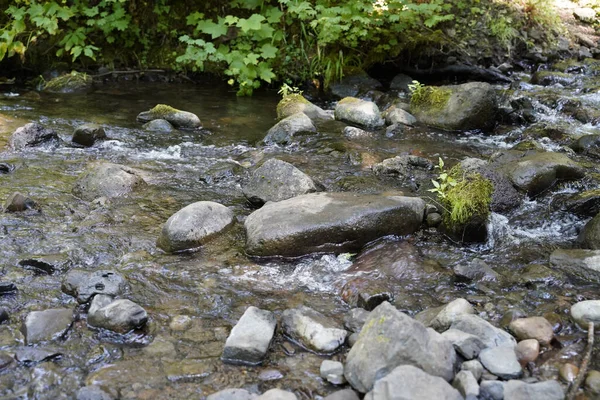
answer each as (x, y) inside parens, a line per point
(285, 130)
(295, 103)
(359, 112)
(547, 78)
(590, 235)
(177, 118)
(468, 106)
(68, 83)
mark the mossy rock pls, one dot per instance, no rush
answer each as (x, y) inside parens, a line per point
(69, 83)
(177, 118)
(557, 131)
(547, 78)
(295, 103)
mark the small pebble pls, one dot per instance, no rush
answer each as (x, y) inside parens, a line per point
(180, 323)
(527, 351)
(568, 372)
(270, 375)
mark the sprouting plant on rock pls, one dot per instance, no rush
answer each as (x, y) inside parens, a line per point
(444, 181)
(287, 90)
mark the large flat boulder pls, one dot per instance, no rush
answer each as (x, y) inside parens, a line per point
(329, 222)
(177, 118)
(361, 112)
(33, 135)
(580, 264)
(107, 180)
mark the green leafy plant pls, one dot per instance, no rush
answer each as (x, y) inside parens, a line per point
(287, 90)
(443, 183)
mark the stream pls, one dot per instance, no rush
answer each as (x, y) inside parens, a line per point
(214, 286)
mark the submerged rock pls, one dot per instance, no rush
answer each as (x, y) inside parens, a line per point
(194, 226)
(389, 339)
(329, 222)
(360, 112)
(16, 202)
(250, 338)
(296, 103)
(107, 180)
(69, 83)
(406, 167)
(408, 382)
(580, 264)
(313, 330)
(277, 180)
(285, 130)
(83, 284)
(46, 325)
(33, 135)
(456, 108)
(177, 118)
(92, 392)
(477, 270)
(119, 316)
(158, 125)
(88, 134)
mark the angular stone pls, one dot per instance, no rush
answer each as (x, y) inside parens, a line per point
(250, 338)
(449, 313)
(107, 180)
(46, 325)
(532, 328)
(361, 112)
(296, 103)
(35, 355)
(16, 202)
(519, 390)
(83, 284)
(88, 134)
(467, 345)
(585, 312)
(489, 334)
(277, 180)
(477, 270)
(590, 235)
(466, 384)
(579, 264)
(491, 390)
(474, 367)
(194, 226)
(395, 115)
(329, 222)
(332, 372)
(346, 394)
(119, 316)
(501, 361)
(313, 330)
(355, 319)
(390, 338)
(285, 130)
(408, 382)
(177, 118)
(354, 133)
(32, 135)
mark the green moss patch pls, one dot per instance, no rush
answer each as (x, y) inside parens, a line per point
(287, 106)
(430, 97)
(69, 82)
(469, 200)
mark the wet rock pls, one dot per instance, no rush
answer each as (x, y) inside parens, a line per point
(511, 315)
(445, 315)
(588, 145)
(313, 330)
(401, 82)
(354, 85)
(88, 134)
(352, 339)
(35, 355)
(585, 312)
(519, 390)
(277, 180)
(537, 273)
(333, 372)
(33, 135)
(47, 264)
(457, 108)
(5, 360)
(277, 394)
(83, 284)
(285, 130)
(568, 372)
(17, 202)
(527, 351)
(467, 385)
(179, 119)
(250, 338)
(489, 334)
(366, 292)
(92, 393)
(4, 315)
(69, 83)
(501, 361)
(194, 226)
(6, 168)
(353, 133)
(477, 270)
(474, 367)
(585, 14)
(407, 342)
(467, 345)
(532, 328)
(355, 319)
(589, 238)
(394, 130)
(40, 326)
(592, 382)
(433, 220)
(188, 371)
(296, 103)
(329, 222)
(360, 112)
(119, 316)
(547, 78)
(158, 125)
(107, 180)
(579, 264)
(557, 131)
(232, 394)
(405, 167)
(346, 394)
(7, 288)
(408, 382)
(583, 204)
(395, 115)
(537, 172)
(491, 390)
(180, 323)
(270, 375)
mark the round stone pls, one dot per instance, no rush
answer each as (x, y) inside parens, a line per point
(527, 351)
(180, 323)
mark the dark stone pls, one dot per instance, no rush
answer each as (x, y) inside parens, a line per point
(88, 134)
(476, 270)
(7, 288)
(583, 204)
(588, 144)
(35, 355)
(83, 284)
(16, 202)
(32, 135)
(285, 130)
(6, 168)
(4, 316)
(590, 235)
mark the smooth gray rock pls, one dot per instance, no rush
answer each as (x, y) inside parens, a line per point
(33, 135)
(296, 103)
(589, 238)
(83, 285)
(194, 226)
(360, 112)
(158, 125)
(119, 316)
(489, 334)
(491, 390)
(448, 314)
(88, 134)
(467, 345)
(35, 355)
(395, 115)
(277, 394)
(476, 270)
(232, 394)
(285, 130)
(501, 361)
(409, 383)
(405, 167)
(313, 330)
(457, 107)
(92, 392)
(250, 338)
(585, 312)
(519, 390)
(579, 264)
(474, 367)
(355, 319)
(107, 180)
(332, 372)
(390, 338)
(532, 328)
(354, 133)
(467, 385)
(346, 394)
(329, 222)
(46, 325)
(277, 180)
(177, 118)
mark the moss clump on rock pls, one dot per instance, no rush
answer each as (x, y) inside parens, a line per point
(430, 97)
(162, 111)
(75, 81)
(290, 104)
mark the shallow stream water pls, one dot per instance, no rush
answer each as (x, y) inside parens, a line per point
(215, 285)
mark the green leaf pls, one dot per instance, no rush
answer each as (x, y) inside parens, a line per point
(274, 15)
(435, 183)
(231, 20)
(212, 29)
(194, 17)
(265, 72)
(251, 24)
(76, 52)
(268, 51)
(251, 58)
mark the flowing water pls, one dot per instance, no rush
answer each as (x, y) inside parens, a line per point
(215, 285)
